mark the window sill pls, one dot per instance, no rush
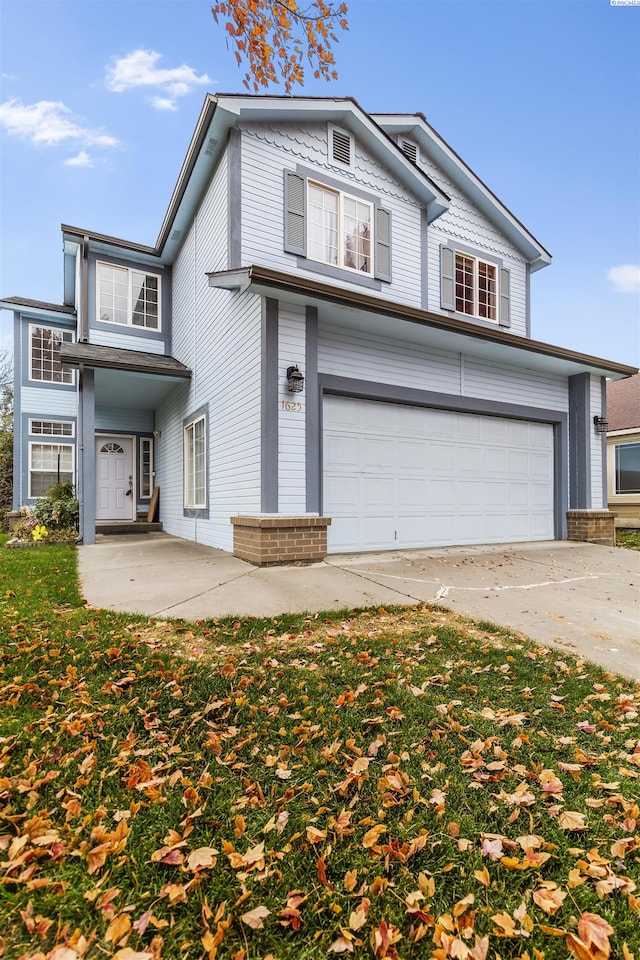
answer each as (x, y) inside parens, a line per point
(196, 512)
(347, 276)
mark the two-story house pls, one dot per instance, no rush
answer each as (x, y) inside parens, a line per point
(330, 338)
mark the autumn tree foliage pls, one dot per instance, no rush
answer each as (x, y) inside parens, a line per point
(277, 37)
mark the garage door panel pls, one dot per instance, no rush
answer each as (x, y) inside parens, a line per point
(412, 494)
(377, 454)
(343, 492)
(377, 493)
(341, 451)
(440, 459)
(539, 465)
(518, 464)
(470, 493)
(469, 460)
(413, 476)
(411, 455)
(412, 530)
(378, 532)
(442, 494)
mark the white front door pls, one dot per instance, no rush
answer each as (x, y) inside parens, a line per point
(115, 493)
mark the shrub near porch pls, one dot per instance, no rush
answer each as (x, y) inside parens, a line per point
(392, 784)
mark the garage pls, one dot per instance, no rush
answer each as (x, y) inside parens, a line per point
(399, 476)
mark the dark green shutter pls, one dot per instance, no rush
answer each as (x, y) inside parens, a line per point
(447, 278)
(505, 298)
(295, 234)
(383, 245)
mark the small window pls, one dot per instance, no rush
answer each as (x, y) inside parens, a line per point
(340, 228)
(52, 428)
(49, 463)
(340, 147)
(45, 364)
(146, 467)
(476, 287)
(128, 297)
(195, 464)
(627, 468)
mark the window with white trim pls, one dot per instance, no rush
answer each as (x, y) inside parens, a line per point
(335, 232)
(146, 467)
(627, 468)
(52, 428)
(44, 359)
(128, 297)
(195, 464)
(49, 463)
(476, 288)
(340, 229)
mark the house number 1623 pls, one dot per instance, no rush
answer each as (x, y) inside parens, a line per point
(291, 406)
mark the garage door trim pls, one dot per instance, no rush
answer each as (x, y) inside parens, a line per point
(409, 396)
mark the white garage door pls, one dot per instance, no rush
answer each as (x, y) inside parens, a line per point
(399, 476)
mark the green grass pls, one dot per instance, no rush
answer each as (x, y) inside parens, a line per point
(274, 748)
(630, 539)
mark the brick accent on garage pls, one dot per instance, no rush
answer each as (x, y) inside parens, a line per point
(272, 539)
(592, 526)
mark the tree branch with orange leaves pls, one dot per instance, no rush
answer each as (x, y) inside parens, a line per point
(276, 38)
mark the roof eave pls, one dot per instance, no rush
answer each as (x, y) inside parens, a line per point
(478, 191)
(261, 278)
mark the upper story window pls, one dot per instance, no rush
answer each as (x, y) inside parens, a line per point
(340, 229)
(336, 231)
(474, 286)
(44, 361)
(128, 297)
(51, 428)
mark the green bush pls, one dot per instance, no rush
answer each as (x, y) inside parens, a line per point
(57, 512)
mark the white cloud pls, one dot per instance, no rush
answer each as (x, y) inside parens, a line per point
(161, 103)
(139, 69)
(49, 123)
(625, 278)
(82, 159)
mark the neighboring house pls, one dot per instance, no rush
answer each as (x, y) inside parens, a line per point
(308, 240)
(623, 450)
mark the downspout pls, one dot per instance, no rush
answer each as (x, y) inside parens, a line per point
(84, 293)
(80, 465)
(84, 337)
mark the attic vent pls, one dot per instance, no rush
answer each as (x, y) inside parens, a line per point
(340, 146)
(176, 235)
(211, 145)
(410, 149)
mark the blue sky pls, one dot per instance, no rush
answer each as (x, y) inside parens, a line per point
(98, 101)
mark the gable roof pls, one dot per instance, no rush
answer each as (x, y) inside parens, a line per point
(416, 127)
(623, 403)
(221, 112)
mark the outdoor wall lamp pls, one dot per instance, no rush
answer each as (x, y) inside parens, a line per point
(295, 380)
(601, 424)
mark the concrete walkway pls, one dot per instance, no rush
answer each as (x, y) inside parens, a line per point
(584, 598)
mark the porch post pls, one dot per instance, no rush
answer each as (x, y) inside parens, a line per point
(87, 455)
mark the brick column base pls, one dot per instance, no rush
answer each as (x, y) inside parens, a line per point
(593, 526)
(272, 539)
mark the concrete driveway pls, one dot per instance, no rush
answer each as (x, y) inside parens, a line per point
(581, 597)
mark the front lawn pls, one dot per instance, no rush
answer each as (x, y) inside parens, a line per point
(401, 784)
(628, 538)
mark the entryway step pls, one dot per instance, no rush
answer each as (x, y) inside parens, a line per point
(133, 527)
